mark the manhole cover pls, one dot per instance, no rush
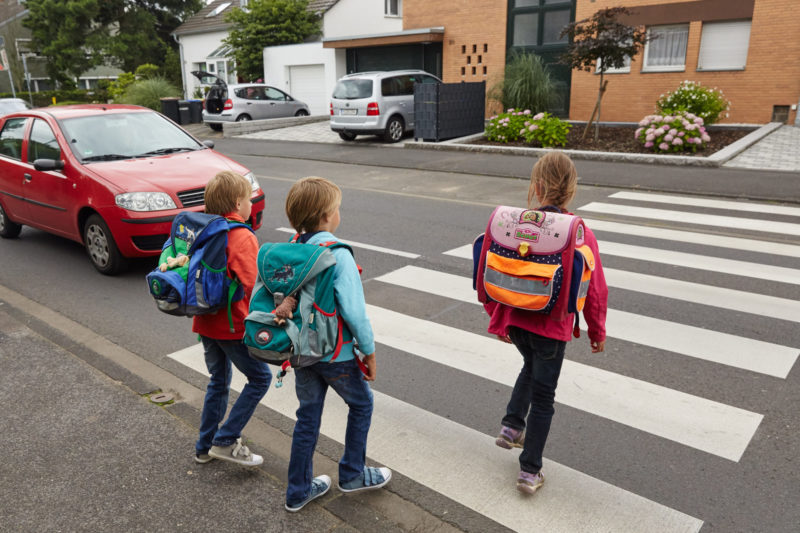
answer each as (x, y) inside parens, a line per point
(161, 397)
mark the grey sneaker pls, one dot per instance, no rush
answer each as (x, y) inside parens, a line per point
(370, 478)
(529, 483)
(319, 486)
(202, 458)
(236, 453)
(510, 438)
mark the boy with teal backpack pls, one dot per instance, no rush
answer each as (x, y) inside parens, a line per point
(321, 335)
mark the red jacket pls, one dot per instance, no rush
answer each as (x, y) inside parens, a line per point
(594, 311)
(242, 254)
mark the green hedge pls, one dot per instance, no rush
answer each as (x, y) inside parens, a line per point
(45, 98)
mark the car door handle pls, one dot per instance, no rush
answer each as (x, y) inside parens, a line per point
(249, 103)
(27, 177)
(272, 103)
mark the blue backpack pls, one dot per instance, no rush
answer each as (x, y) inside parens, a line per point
(192, 278)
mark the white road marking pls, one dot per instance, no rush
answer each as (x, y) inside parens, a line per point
(372, 247)
(708, 203)
(431, 450)
(723, 348)
(702, 219)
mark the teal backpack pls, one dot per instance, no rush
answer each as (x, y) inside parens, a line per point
(316, 330)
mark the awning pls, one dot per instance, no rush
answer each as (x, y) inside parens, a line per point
(222, 51)
(420, 35)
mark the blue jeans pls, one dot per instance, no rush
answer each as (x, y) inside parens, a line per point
(534, 393)
(312, 383)
(219, 356)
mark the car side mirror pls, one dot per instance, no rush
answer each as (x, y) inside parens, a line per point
(208, 144)
(46, 165)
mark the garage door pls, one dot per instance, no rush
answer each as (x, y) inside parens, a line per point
(307, 83)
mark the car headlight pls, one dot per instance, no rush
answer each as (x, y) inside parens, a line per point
(253, 181)
(145, 201)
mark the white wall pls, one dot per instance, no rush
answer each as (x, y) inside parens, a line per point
(278, 59)
(359, 17)
(195, 50)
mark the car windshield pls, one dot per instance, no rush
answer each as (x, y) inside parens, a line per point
(353, 89)
(111, 136)
(10, 106)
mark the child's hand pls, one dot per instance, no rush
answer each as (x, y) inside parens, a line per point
(598, 346)
(372, 369)
(504, 338)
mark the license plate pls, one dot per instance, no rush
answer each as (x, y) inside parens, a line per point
(348, 111)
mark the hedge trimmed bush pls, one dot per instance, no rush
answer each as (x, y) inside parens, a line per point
(540, 129)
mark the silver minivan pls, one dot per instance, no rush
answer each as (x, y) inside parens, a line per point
(376, 103)
(245, 101)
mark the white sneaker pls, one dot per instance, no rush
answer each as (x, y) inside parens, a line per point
(236, 453)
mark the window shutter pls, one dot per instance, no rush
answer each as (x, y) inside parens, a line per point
(723, 45)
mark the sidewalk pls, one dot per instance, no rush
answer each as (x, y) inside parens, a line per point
(778, 151)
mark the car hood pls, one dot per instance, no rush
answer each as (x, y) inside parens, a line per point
(168, 173)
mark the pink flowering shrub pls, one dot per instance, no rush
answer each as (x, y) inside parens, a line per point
(515, 125)
(678, 132)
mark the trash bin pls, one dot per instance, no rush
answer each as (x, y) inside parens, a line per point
(196, 111)
(169, 108)
(183, 112)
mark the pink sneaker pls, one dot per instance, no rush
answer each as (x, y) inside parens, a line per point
(510, 438)
(529, 483)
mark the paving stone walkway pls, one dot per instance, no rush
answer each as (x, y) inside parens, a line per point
(316, 132)
(779, 150)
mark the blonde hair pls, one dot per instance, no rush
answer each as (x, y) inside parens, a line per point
(224, 190)
(557, 178)
(309, 200)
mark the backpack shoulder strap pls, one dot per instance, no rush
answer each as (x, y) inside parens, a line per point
(233, 224)
(331, 245)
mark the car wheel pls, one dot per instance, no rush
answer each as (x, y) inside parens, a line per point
(101, 247)
(301, 113)
(215, 127)
(394, 130)
(347, 136)
(8, 228)
(243, 118)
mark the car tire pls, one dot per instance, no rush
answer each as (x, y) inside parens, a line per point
(8, 228)
(394, 130)
(347, 136)
(301, 113)
(215, 127)
(244, 117)
(102, 249)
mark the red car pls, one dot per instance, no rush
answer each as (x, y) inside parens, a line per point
(109, 176)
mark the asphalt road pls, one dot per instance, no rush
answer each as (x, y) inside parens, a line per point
(429, 212)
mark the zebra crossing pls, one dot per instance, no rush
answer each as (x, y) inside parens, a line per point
(408, 438)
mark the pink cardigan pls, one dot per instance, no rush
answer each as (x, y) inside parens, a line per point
(594, 311)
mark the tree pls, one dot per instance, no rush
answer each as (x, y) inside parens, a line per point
(602, 42)
(267, 23)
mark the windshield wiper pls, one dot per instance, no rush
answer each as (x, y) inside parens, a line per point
(163, 151)
(107, 157)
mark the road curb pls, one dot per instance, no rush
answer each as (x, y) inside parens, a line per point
(716, 159)
(233, 129)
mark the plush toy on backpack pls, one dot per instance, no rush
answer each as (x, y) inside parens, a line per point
(191, 278)
(534, 260)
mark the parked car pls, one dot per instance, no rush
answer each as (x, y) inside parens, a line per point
(109, 176)
(245, 101)
(9, 105)
(376, 103)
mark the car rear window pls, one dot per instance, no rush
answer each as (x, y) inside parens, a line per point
(353, 89)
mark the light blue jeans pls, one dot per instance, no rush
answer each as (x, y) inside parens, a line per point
(219, 356)
(312, 384)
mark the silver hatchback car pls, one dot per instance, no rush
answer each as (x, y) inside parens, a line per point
(376, 103)
(245, 101)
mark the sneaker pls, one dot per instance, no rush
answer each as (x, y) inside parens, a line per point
(202, 458)
(529, 483)
(236, 453)
(319, 486)
(371, 478)
(510, 438)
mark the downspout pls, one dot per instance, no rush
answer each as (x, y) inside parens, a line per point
(183, 69)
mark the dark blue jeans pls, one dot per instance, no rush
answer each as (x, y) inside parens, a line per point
(312, 384)
(219, 356)
(534, 393)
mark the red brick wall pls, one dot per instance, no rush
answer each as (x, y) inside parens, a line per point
(771, 76)
(475, 37)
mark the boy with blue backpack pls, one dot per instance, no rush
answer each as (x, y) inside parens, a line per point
(312, 207)
(228, 194)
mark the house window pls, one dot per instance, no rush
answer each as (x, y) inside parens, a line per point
(723, 45)
(624, 69)
(665, 50)
(393, 8)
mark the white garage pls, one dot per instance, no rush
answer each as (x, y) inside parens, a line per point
(307, 83)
